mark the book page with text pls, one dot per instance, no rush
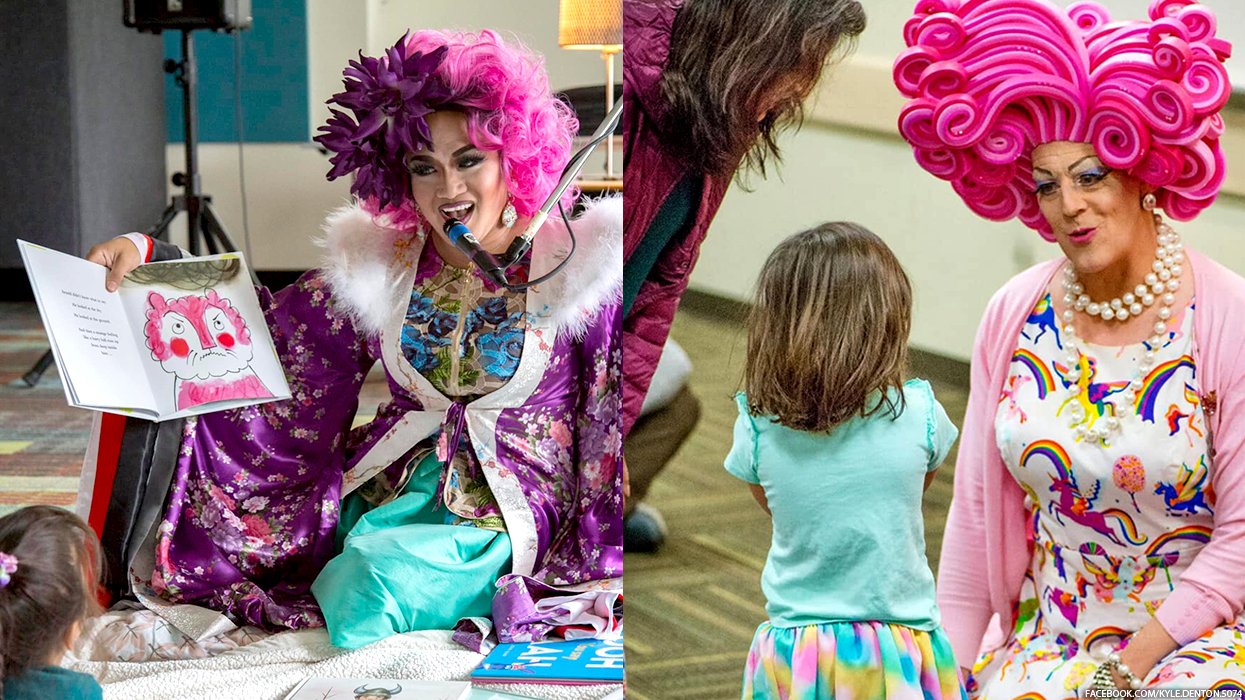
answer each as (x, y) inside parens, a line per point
(94, 345)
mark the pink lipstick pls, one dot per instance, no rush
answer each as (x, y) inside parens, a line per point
(1082, 236)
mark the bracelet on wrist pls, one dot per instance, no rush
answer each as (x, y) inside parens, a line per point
(1104, 675)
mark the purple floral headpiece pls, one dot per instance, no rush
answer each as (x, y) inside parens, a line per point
(8, 567)
(390, 98)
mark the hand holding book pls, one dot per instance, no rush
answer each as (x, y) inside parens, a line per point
(178, 338)
(120, 256)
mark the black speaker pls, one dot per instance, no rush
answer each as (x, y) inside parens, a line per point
(158, 15)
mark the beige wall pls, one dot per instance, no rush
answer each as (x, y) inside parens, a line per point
(286, 193)
(849, 163)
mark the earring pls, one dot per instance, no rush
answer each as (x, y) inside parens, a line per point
(1149, 201)
(508, 213)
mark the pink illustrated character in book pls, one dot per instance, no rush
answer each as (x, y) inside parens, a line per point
(203, 341)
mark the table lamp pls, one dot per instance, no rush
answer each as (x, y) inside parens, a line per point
(594, 25)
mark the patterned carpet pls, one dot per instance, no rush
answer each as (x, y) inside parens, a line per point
(41, 439)
(693, 606)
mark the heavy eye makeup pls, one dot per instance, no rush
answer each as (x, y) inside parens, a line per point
(1086, 179)
(421, 166)
(1091, 177)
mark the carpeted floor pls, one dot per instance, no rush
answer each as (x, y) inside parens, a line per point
(691, 609)
(41, 439)
(693, 606)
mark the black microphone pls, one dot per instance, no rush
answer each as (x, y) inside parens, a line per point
(462, 238)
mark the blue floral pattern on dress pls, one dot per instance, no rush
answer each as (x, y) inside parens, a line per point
(501, 349)
(425, 332)
(465, 335)
(491, 311)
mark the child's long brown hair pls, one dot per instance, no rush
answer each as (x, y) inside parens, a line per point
(828, 329)
(52, 588)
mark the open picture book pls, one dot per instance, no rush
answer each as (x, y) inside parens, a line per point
(378, 689)
(178, 338)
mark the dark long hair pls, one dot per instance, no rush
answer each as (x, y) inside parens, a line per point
(729, 59)
(828, 330)
(52, 589)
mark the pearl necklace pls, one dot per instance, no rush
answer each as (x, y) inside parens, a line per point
(1160, 287)
(1167, 267)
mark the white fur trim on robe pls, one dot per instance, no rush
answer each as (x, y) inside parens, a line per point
(363, 264)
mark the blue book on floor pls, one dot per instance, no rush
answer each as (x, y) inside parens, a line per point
(579, 662)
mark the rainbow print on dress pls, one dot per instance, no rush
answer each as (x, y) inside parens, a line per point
(1147, 398)
(1042, 377)
(1076, 504)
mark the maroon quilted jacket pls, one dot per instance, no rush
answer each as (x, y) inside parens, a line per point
(651, 174)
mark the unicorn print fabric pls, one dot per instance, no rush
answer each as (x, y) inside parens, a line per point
(1097, 485)
(1114, 528)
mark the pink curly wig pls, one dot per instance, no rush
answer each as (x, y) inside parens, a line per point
(504, 90)
(988, 80)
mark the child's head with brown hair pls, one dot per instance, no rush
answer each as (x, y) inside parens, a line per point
(50, 559)
(828, 330)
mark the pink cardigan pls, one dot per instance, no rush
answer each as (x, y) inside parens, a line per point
(985, 552)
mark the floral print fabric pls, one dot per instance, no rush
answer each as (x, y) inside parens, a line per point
(461, 332)
(465, 335)
(254, 501)
(254, 498)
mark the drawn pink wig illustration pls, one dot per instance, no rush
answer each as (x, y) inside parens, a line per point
(201, 322)
(204, 342)
(988, 80)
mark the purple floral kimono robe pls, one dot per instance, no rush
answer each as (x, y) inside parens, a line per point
(254, 501)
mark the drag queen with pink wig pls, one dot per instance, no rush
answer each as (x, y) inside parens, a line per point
(1097, 534)
(491, 481)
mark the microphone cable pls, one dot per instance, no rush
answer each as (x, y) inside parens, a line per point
(495, 269)
(520, 245)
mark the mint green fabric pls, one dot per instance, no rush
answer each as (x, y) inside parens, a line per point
(401, 568)
(52, 682)
(848, 543)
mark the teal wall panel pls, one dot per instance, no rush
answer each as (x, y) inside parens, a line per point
(274, 78)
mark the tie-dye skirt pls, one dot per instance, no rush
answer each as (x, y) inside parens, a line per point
(850, 661)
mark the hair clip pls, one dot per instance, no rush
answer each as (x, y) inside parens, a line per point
(8, 566)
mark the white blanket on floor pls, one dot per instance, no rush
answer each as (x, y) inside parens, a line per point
(268, 669)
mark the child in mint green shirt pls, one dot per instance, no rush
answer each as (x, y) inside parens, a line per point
(838, 448)
(48, 574)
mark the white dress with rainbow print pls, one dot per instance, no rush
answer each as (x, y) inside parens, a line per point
(1114, 523)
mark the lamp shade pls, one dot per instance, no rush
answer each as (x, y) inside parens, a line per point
(590, 24)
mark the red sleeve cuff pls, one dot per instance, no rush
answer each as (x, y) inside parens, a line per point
(144, 244)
